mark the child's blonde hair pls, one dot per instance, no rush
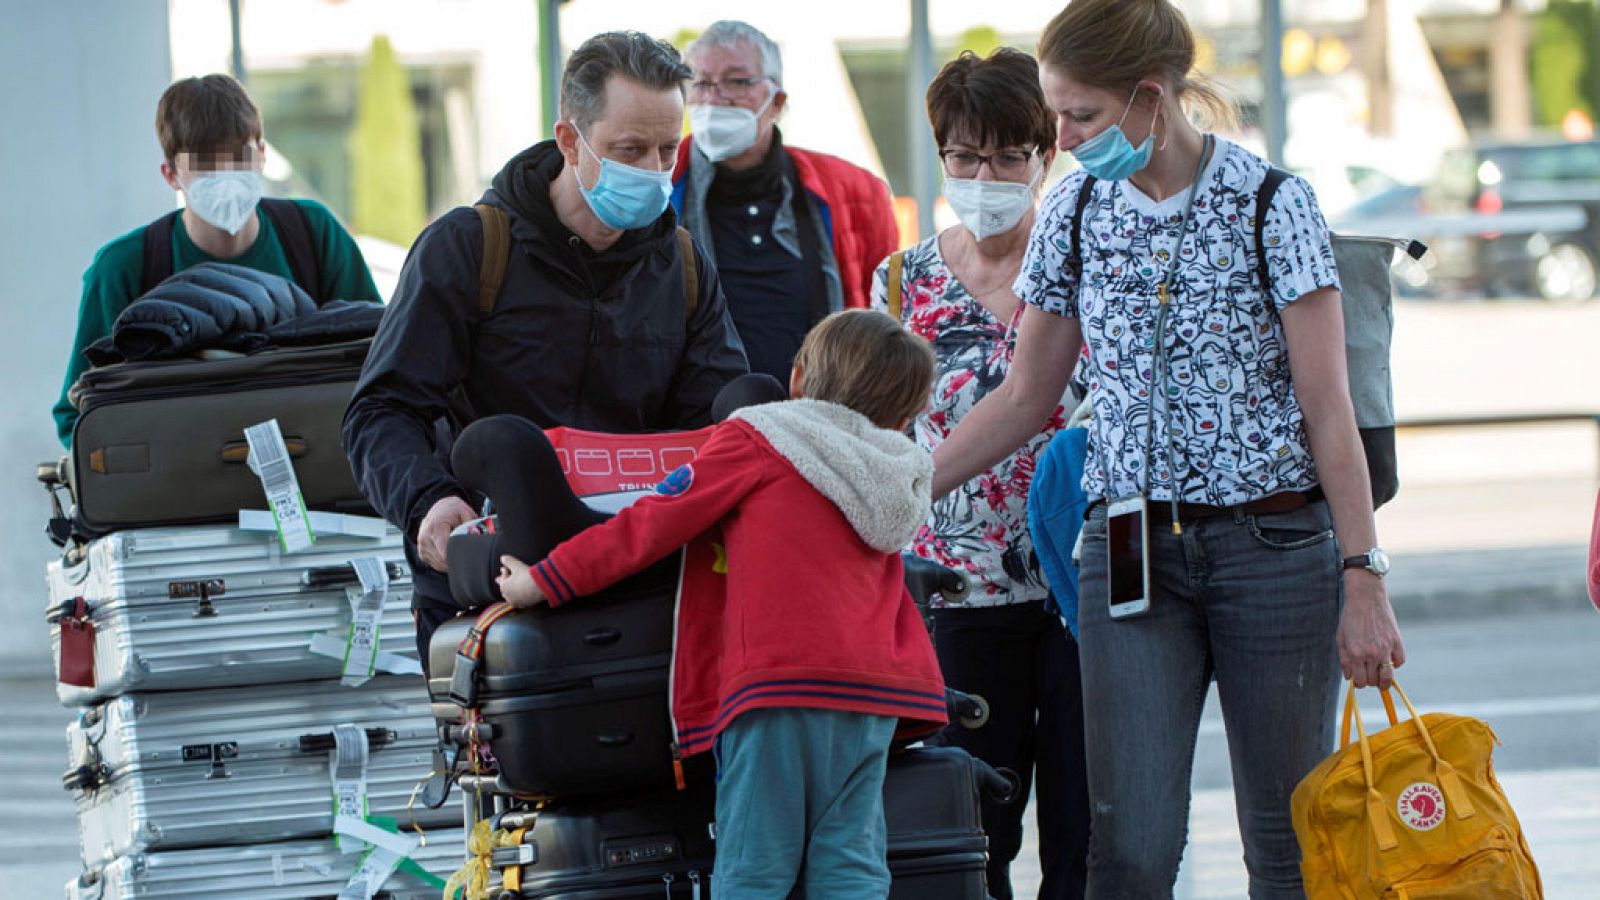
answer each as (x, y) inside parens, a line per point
(863, 359)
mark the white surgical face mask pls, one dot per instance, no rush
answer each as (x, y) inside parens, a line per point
(723, 132)
(225, 199)
(989, 208)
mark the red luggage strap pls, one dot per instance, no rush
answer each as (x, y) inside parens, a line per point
(464, 679)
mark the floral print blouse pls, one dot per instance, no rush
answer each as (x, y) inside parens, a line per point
(980, 528)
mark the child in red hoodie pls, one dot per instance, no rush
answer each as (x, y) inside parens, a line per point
(803, 666)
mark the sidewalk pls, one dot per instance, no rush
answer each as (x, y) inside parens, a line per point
(1559, 810)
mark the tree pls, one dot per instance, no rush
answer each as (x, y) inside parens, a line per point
(386, 190)
(1566, 60)
(980, 39)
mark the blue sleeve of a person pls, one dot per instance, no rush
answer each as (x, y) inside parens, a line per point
(1055, 514)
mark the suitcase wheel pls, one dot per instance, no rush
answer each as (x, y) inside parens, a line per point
(969, 710)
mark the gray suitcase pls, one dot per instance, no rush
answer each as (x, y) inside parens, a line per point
(295, 870)
(211, 606)
(186, 769)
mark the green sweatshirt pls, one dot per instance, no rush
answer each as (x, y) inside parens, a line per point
(112, 281)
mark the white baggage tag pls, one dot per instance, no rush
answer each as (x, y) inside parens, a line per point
(333, 647)
(347, 769)
(366, 613)
(376, 867)
(388, 851)
(323, 523)
(269, 459)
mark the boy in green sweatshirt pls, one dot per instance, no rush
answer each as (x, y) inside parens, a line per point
(212, 149)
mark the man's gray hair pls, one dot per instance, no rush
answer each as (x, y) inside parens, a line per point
(638, 56)
(728, 32)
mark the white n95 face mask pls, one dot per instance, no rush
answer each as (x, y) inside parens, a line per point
(989, 208)
(225, 199)
(723, 132)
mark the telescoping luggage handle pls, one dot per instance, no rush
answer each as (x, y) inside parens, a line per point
(1377, 810)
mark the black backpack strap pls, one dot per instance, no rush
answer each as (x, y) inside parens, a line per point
(294, 233)
(1269, 189)
(1085, 194)
(158, 251)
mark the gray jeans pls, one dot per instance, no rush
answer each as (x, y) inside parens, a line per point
(1252, 601)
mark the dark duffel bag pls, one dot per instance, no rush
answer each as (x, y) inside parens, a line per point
(662, 843)
(162, 443)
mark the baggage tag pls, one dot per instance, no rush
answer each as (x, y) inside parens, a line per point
(376, 867)
(361, 647)
(269, 459)
(347, 769)
(388, 851)
(75, 665)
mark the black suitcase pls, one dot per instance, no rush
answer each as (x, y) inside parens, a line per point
(162, 443)
(576, 697)
(661, 844)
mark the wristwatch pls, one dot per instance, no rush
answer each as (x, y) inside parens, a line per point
(1375, 561)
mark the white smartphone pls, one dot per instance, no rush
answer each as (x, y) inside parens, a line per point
(1128, 566)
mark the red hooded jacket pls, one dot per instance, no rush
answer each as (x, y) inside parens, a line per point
(801, 601)
(855, 205)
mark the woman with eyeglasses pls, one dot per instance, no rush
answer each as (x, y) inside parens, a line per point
(1006, 642)
(1222, 420)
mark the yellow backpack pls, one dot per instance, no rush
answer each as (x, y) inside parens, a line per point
(1412, 813)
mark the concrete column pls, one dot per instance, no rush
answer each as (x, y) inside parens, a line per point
(1274, 105)
(1510, 96)
(78, 89)
(1375, 64)
(919, 136)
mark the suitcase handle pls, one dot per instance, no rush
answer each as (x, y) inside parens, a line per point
(83, 778)
(236, 452)
(344, 573)
(322, 743)
(602, 637)
(999, 785)
(614, 738)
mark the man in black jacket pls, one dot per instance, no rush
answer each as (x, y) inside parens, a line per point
(591, 328)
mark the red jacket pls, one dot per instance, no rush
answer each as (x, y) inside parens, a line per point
(791, 606)
(856, 207)
(1594, 558)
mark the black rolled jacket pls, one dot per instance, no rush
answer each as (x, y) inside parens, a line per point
(598, 341)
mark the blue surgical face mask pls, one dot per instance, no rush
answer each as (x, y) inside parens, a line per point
(626, 197)
(1109, 156)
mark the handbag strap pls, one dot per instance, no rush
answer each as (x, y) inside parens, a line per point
(1455, 794)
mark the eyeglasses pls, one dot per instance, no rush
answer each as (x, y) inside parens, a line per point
(1004, 164)
(727, 88)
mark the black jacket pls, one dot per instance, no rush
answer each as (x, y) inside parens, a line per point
(599, 341)
(227, 307)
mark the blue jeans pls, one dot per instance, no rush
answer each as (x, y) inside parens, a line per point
(800, 798)
(1252, 601)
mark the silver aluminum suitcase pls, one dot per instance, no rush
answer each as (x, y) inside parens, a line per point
(182, 769)
(294, 870)
(210, 606)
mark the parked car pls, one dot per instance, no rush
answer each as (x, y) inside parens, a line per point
(1501, 220)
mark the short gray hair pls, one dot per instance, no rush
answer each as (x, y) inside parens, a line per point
(636, 55)
(727, 32)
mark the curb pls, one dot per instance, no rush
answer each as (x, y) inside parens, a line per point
(1502, 581)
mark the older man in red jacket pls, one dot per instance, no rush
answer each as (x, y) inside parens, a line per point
(795, 234)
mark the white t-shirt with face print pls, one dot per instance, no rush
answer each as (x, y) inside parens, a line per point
(1237, 430)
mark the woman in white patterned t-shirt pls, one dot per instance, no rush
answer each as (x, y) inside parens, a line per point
(1006, 641)
(1223, 402)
